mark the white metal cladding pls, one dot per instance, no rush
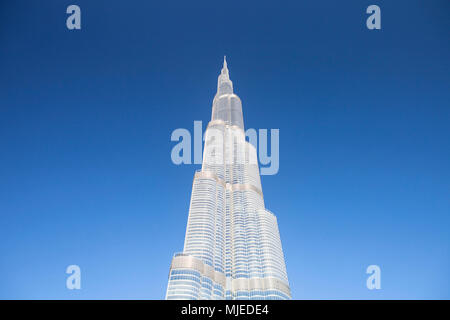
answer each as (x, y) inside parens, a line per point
(232, 247)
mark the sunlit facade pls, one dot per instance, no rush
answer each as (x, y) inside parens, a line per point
(232, 247)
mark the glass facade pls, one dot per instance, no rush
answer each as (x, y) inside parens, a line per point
(232, 247)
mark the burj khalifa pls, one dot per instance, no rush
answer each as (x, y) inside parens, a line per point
(232, 248)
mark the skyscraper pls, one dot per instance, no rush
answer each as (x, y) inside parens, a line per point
(232, 248)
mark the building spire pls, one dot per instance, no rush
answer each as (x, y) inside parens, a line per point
(225, 67)
(224, 84)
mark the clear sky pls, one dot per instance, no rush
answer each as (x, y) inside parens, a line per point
(86, 116)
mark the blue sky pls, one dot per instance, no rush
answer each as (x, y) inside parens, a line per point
(86, 116)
